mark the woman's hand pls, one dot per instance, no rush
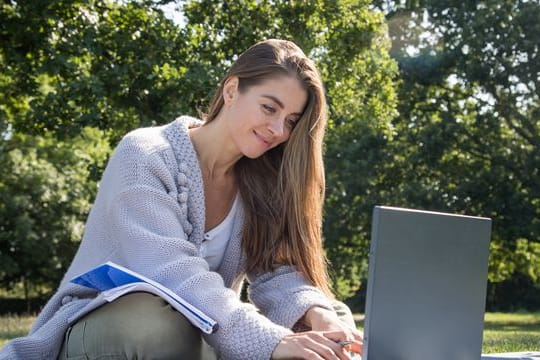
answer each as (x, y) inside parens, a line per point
(312, 345)
(321, 319)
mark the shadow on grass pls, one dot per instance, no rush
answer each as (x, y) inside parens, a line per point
(527, 324)
(512, 327)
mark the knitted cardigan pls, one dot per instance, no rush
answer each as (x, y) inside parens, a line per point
(149, 217)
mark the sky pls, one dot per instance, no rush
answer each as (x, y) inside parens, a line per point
(172, 11)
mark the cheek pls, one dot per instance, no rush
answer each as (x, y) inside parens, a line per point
(250, 115)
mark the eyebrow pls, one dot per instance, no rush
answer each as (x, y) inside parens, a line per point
(279, 102)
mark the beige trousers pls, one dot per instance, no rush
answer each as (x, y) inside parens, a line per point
(141, 326)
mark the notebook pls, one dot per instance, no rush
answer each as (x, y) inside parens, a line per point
(426, 287)
(113, 280)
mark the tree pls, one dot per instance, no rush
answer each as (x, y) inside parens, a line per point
(468, 130)
(45, 194)
(116, 66)
(67, 69)
(70, 64)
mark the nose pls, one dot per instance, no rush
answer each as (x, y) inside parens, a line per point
(277, 126)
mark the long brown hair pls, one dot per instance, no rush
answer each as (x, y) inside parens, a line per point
(283, 190)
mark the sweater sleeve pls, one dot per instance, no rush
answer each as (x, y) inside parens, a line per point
(284, 295)
(150, 225)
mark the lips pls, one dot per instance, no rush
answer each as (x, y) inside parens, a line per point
(267, 142)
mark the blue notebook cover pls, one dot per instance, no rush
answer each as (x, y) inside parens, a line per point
(113, 280)
(105, 277)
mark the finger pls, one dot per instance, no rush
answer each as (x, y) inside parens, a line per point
(336, 335)
(350, 341)
(354, 341)
(328, 348)
(310, 354)
(313, 345)
(341, 338)
(355, 347)
(358, 343)
(355, 334)
(330, 351)
(296, 346)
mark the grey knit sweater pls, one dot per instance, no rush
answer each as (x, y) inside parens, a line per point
(149, 216)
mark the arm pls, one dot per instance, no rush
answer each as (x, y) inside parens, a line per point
(286, 298)
(284, 295)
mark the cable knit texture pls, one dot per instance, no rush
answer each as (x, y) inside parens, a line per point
(149, 216)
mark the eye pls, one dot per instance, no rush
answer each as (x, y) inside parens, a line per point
(268, 109)
(291, 123)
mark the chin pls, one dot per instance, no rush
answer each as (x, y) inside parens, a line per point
(254, 156)
(256, 153)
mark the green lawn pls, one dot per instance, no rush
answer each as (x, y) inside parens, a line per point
(503, 332)
(12, 326)
(511, 332)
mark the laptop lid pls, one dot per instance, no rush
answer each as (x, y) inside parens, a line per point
(426, 286)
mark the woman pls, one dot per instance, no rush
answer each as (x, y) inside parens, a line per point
(199, 207)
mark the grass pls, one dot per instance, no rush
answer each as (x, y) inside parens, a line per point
(12, 326)
(511, 332)
(503, 332)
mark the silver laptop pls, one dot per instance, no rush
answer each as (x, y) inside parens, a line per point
(427, 283)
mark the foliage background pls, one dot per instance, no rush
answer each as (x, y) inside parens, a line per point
(433, 105)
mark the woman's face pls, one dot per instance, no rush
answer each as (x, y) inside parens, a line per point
(262, 116)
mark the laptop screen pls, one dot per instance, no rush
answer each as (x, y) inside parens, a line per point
(426, 286)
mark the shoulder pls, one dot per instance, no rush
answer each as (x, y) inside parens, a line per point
(143, 141)
(158, 156)
(154, 139)
(139, 144)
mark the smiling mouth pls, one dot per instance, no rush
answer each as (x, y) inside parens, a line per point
(262, 139)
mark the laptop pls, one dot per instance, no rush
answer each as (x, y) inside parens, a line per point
(426, 287)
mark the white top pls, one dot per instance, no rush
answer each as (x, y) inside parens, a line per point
(215, 241)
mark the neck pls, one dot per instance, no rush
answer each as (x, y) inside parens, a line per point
(214, 150)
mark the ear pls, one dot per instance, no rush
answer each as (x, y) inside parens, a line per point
(230, 90)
